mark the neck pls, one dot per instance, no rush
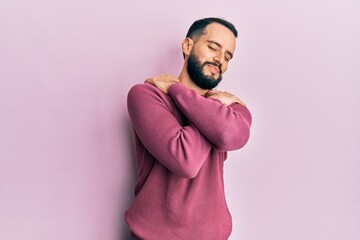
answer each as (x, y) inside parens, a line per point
(186, 81)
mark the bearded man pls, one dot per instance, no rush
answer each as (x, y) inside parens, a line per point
(183, 130)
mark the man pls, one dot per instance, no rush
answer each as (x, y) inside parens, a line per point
(183, 130)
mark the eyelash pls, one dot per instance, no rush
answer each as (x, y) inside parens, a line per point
(226, 59)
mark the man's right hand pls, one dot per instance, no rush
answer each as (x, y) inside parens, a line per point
(163, 81)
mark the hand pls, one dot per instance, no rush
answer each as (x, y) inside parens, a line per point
(225, 97)
(163, 81)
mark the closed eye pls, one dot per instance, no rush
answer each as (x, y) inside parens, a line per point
(228, 58)
(211, 47)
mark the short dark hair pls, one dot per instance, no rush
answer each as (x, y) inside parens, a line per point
(198, 27)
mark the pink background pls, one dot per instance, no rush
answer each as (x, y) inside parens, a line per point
(67, 166)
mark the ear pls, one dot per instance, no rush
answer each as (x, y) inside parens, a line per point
(187, 45)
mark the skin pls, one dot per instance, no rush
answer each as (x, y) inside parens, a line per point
(216, 45)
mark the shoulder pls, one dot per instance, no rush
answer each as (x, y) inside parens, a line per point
(143, 88)
(146, 93)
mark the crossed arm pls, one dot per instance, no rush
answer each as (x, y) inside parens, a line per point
(184, 149)
(225, 123)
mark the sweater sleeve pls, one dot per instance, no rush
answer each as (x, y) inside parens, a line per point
(183, 150)
(226, 127)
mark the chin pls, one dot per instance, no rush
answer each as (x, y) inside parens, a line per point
(214, 77)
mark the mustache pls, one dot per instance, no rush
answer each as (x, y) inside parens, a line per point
(215, 64)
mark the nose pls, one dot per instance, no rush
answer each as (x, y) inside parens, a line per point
(219, 59)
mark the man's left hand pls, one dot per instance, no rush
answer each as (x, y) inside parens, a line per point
(225, 97)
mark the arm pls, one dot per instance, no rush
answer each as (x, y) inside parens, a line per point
(227, 127)
(183, 150)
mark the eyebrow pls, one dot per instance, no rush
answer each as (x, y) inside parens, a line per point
(219, 45)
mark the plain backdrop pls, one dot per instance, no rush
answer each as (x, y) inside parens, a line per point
(67, 167)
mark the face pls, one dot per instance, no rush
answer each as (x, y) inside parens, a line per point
(196, 72)
(210, 55)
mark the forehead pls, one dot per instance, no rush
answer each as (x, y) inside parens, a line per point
(220, 34)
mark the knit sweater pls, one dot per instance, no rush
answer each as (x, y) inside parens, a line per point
(182, 139)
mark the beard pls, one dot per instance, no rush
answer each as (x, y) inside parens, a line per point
(196, 72)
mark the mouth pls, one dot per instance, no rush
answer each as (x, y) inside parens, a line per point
(214, 69)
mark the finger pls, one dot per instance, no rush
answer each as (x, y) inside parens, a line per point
(210, 93)
(241, 102)
(149, 80)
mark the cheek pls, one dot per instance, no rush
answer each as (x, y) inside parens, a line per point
(204, 54)
(224, 67)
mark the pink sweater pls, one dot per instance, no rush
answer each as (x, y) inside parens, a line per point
(181, 144)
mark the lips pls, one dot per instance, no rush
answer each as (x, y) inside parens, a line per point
(213, 68)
